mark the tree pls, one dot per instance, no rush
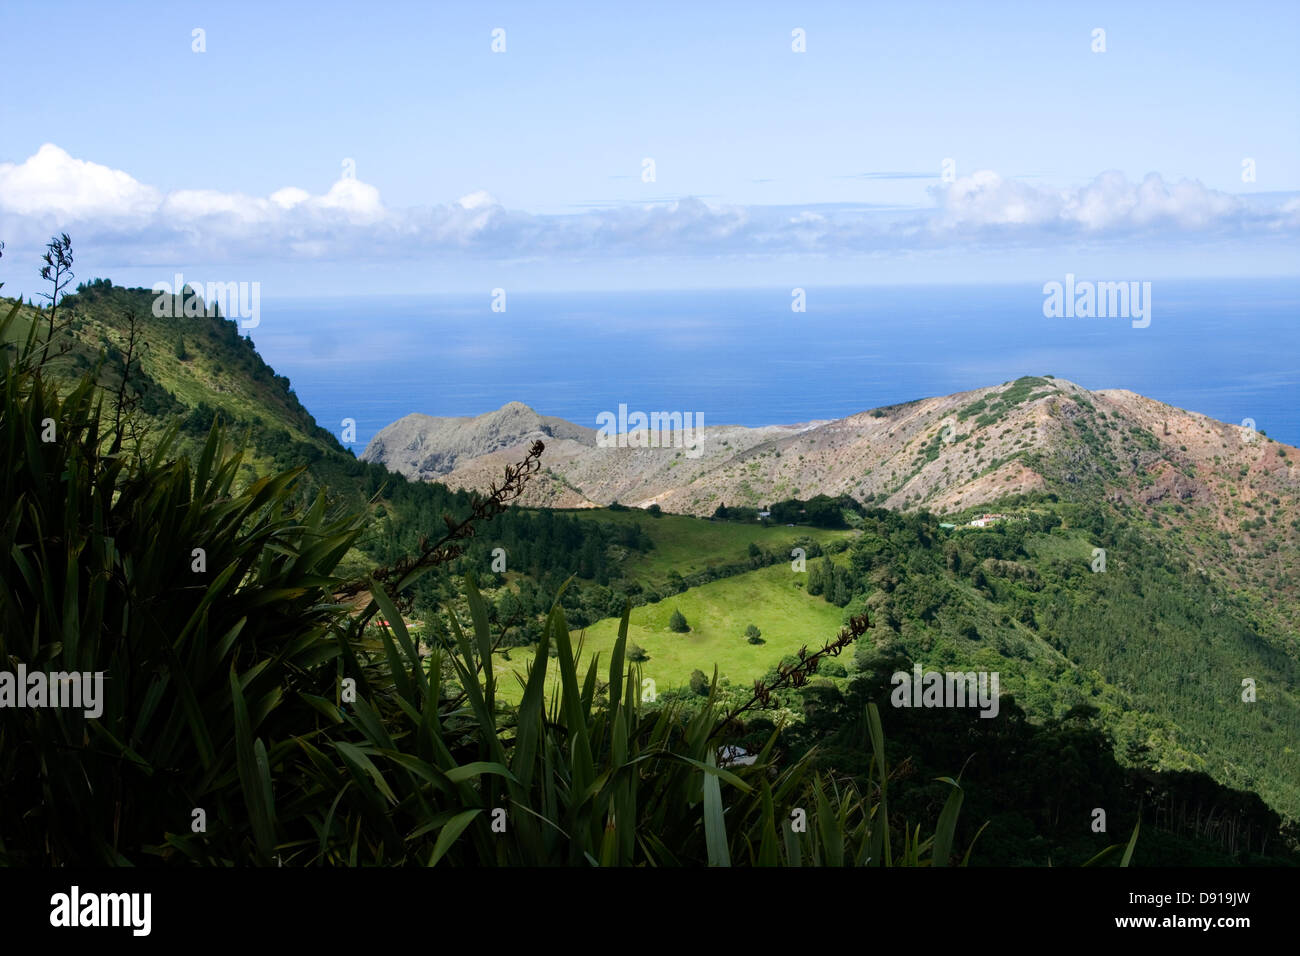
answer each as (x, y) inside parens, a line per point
(180, 349)
(655, 511)
(841, 590)
(829, 667)
(699, 683)
(753, 635)
(678, 622)
(636, 653)
(817, 578)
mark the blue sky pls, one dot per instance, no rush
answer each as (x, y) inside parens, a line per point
(524, 168)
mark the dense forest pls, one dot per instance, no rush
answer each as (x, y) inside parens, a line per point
(1156, 652)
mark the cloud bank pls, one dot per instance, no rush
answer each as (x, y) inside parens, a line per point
(53, 191)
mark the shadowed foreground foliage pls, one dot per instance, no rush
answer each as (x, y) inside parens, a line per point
(211, 610)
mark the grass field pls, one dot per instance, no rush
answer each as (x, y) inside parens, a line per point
(773, 599)
(686, 545)
(1074, 547)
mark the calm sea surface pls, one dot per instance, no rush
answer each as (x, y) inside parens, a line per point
(1230, 350)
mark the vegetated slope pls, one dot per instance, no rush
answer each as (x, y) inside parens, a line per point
(1034, 786)
(187, 371)
(1227, 495)
(1199, 528)
(1128, 679)
(684, 547)
(718, 613)
(1158, 651)
(219, 674)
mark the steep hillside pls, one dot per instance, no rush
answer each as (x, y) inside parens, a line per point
(422, 446)
(470, 452)
(189, 371)
(185, 371)
(945, 454)
(1223, 495)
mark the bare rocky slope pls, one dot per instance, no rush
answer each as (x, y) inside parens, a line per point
(944, 454)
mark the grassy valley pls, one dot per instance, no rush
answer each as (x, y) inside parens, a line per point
(718, 614)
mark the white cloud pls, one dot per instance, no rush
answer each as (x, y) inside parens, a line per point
(52, 182)
(51, 191)
(476, 200)
(1108, 204)
(985, 198)
(356, 200)
(289, 196)
(195, 205)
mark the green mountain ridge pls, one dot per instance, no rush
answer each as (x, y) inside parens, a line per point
(1158, 644)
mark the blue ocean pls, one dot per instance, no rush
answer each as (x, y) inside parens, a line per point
(1228, 349)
